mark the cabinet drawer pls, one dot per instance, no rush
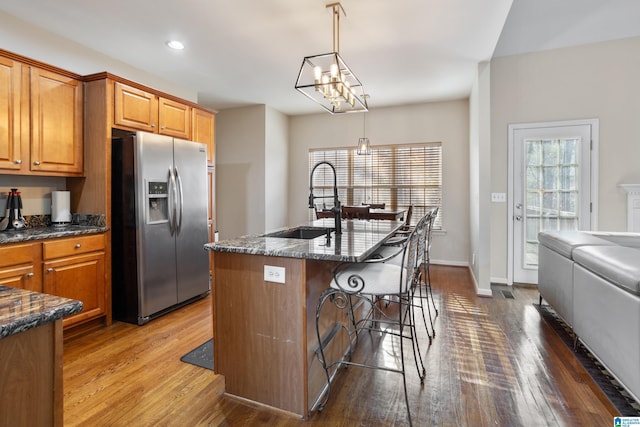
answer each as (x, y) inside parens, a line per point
(72, 246)
(16, 254)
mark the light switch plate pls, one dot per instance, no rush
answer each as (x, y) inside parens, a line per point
(274, 274)
(499, 197)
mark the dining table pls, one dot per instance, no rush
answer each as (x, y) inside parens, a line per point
(377, 214)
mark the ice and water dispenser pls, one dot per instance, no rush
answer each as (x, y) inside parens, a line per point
(157, 202)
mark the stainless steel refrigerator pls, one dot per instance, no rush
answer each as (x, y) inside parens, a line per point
(159, 224)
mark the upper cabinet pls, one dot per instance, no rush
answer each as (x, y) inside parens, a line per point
(141, 110)
(203, 131)
(40, 121)
(56, 123)
(10, 114)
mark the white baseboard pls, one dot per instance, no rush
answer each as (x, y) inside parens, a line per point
(500, 280)
(451, 263)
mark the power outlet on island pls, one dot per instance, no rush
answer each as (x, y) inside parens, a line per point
(274, 274)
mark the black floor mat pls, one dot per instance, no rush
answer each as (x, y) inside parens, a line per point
(201, 356)
(624, 403)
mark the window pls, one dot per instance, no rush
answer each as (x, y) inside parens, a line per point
(398, 175)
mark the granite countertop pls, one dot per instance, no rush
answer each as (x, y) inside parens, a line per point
(359, 239)
(51, 232)
(21, 310)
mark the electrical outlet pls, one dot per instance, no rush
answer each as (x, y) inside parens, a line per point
(274, 274)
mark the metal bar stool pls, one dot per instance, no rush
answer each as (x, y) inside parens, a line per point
(361, 290)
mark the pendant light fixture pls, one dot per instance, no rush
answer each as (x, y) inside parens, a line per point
(363, 143)
(327, 80)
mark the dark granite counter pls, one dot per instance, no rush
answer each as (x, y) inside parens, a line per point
(51, 232)
(359, 239)
(21, 310)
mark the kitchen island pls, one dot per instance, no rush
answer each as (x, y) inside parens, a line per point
(266, 288)
(31, 356)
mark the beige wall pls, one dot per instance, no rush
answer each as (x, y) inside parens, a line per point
(240, 174)
(276, 170)
(447, 122)
(590, 81)
(480, 181)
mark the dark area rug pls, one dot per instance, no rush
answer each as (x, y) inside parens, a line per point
(201, 356)
(624, 403)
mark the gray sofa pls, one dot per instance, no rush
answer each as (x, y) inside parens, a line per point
(592, 280)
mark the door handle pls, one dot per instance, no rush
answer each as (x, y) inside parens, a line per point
(519, 206)
(181, 201)
(518, 218)
(172, 202)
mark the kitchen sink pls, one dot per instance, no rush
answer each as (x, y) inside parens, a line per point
(301, 233)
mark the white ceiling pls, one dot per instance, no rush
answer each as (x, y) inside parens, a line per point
(244, 52)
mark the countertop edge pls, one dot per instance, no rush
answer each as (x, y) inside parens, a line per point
(252, 245)
(58, 309)
(45, 233)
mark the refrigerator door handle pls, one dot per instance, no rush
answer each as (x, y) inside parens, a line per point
(181, 202)
(171, 208)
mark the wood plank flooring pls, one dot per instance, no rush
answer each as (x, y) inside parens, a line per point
(494, 362)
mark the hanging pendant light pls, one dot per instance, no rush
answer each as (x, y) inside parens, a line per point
(363, 143)
(327, 80)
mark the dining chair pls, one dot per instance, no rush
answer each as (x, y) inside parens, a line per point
(321, 212)
(355, 212)
(375, 205)
(360, 291)
(403, 231)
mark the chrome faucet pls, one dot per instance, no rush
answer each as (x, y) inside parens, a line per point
(337, 212)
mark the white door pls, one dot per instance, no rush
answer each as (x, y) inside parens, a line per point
(552, 187)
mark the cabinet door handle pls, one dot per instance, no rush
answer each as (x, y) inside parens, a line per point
(49, 270)
(78, 245)
(37, 163)
(29, 275)
(18, 162)
(153, 125)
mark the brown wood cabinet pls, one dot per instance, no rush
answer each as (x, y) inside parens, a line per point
(56, 123)
(203, 130)
(74, 268)
(71, 267)
(31, 374)
(10, 114)
(40, 121)
(20, 266)
(142, 110)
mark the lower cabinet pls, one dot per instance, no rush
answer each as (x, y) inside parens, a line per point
(20, 266)
(72, 267)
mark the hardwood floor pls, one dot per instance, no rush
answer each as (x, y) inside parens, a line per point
(494, 362)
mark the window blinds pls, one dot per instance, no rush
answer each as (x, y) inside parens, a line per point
(398, 175)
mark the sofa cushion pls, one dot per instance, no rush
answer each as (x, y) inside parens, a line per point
(618, 264)
(619, 238)
(564, 242)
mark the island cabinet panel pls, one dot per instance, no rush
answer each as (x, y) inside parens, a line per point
(260, 335)
(318, 278)
(31, 377)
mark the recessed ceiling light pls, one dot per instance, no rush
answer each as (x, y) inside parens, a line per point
(175, 44)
